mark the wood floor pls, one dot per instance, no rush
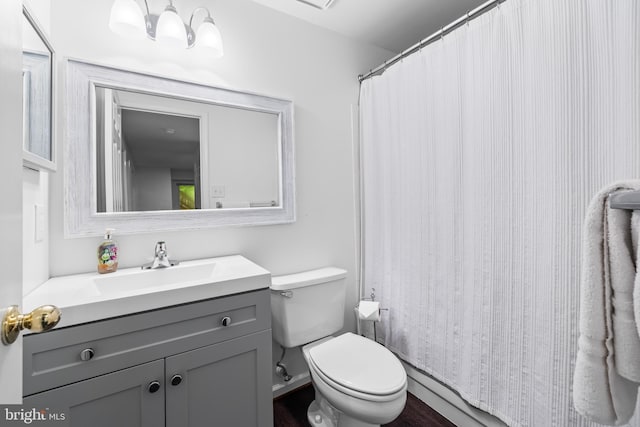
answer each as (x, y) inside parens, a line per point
(291, 411)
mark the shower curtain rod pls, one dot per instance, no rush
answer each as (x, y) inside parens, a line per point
(472, 14)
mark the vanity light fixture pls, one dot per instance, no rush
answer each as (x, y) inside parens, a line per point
(128, 20)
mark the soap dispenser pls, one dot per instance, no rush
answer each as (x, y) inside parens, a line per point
(108, 253)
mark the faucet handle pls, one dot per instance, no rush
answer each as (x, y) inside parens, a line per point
(161, 259)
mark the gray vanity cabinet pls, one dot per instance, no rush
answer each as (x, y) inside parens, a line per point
(120, 399)
(201, 364)
(220, 385)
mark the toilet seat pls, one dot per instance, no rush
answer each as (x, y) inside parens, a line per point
(347, 361)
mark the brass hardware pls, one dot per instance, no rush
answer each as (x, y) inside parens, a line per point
(39, 320)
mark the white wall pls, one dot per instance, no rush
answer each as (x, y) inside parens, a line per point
(152, 189)
(243, 155)
(35, 229)
(41, 11)
(265, 52)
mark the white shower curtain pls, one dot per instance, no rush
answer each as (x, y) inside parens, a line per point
(480, 154)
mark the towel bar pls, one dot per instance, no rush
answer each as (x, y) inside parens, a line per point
(625, 200)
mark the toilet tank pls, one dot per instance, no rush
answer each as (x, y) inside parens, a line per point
(307, 306)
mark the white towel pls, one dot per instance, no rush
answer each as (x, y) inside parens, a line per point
(622, 249)
(599, 391)
(635, 225)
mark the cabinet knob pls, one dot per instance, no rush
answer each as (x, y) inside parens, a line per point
(153, 386)
(87, 354)
(226, 321)
(176, 379)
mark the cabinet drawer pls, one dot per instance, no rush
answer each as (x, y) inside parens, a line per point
(55, 358)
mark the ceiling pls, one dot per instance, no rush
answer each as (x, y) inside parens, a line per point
(161, 140)
(394, 25)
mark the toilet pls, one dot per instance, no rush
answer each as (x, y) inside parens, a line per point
(358, 382)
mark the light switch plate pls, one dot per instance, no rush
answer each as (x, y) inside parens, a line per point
(217, 191)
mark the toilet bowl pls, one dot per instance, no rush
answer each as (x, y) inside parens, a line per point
(357, 381)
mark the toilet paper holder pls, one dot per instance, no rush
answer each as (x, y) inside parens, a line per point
(373, 321)
(356, 310)
(372, 297)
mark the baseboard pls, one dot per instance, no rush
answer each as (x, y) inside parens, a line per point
(297, 381)
(447, 402)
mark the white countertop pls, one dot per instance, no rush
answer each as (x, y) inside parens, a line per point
(88, 297)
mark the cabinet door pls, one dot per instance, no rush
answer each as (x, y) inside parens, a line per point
(122, 398)
(226, 384)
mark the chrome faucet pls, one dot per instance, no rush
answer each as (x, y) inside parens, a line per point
(161, 258)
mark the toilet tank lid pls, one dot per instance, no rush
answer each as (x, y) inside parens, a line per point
(307, 278)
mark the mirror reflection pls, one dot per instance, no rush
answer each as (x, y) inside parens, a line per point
(239, 171)
(36, 87)
(156, 153)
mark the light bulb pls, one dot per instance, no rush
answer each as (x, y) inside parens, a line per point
(171, 30)
(209, 38)
(127, 20)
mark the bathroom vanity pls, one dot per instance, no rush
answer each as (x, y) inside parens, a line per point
(193, 363)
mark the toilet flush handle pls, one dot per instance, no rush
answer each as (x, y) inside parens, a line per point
(287, 294)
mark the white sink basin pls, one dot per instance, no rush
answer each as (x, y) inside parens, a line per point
(91, 296)
(137, 280)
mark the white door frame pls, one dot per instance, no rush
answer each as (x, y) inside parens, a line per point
(11, 176)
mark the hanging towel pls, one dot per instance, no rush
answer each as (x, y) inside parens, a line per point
(622, 249)
(600, 392)
(635, 225)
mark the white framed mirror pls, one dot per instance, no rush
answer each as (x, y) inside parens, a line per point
(37, 100)
(146, 153)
